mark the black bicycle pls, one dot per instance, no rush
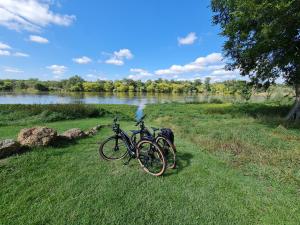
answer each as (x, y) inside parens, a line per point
(146, 150)
(166, 145)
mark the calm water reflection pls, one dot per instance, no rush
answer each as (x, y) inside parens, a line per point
(137, 99)
(103, 98)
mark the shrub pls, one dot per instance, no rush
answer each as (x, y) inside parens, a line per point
(215, 101)
(40, 87)
(23, 114)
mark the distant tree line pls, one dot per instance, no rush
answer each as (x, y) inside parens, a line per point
(77, 84)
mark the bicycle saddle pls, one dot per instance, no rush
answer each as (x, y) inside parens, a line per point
(154, 128)
(135, 131)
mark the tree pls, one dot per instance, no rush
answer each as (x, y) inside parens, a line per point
(207, 84)
(75, 83)
(263, 40)
(41, 87)
(177, 88)
(245, 90)
(21, 85)
(91, 86)
(7, 86)
(108, 86)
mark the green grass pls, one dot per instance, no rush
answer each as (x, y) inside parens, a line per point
(33, 114)
(235, 167)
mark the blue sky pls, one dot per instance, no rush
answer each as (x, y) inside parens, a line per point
(110, 39)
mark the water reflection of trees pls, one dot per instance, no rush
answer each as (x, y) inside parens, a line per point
(132, 98)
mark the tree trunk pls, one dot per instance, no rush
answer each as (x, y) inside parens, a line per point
(294, 114)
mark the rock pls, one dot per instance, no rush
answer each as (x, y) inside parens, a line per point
(97, 128)
(90, 132)
(8, 147)
(93, 131)
(37, 136)
(74, 133)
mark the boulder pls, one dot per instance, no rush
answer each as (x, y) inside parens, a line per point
(37, 136)
(8, 147)
(97, 128)
(73, 133)
(93, 131)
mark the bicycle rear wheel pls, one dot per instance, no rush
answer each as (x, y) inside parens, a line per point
(113, 148)
(169, 151)
(151, 158)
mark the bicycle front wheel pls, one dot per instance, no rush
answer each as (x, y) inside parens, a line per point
(113, 148)
(151, 158)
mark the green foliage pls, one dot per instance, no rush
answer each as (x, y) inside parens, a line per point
(6, 86)
(23, 114)
(77, 84)
(245, 90)
(92, 87)
(207, 84)
(40, 87)
(215, 101)
(108, 86)
(262, 37)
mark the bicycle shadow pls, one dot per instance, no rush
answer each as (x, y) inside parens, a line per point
(183, 160)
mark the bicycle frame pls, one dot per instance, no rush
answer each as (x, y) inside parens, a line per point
(129, 142)
(122, 134)
(144, 131)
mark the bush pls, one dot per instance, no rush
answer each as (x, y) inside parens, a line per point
(48, 113)
(216, 101)
(40, 87)
(23, 114)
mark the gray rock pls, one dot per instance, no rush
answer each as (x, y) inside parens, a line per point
(37, 136)
(8, 147)
(74, 133)
(93, 131)
(97, 128)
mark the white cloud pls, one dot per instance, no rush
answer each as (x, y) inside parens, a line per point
(30, 15)
(4, 53)
(118, 57)
(219, 75)
(124, 53)
(4, 46)
(21, 54)
(139, 74)
(5, 50)
(57, 69)
(115, 61)
(38, 39)
(211, 66)
(82, 60)
(188, 40)
(224, 72)
(199, 64)
(94, 77)
(13, 70)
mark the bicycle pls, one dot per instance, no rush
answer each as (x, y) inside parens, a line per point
(146, 150)
(169, 149)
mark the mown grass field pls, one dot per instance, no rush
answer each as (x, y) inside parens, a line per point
(236, 166)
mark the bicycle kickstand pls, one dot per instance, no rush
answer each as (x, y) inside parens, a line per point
(127, 163)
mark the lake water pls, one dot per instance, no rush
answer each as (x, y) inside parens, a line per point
(137, 99)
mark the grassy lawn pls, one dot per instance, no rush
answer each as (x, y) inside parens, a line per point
(236, 166)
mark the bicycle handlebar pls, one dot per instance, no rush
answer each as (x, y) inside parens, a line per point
(140, 120)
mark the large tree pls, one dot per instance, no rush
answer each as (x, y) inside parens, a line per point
(262, 40)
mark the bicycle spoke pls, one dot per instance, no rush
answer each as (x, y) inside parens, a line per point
(113, 148)
(150, 158)
(168, 150)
